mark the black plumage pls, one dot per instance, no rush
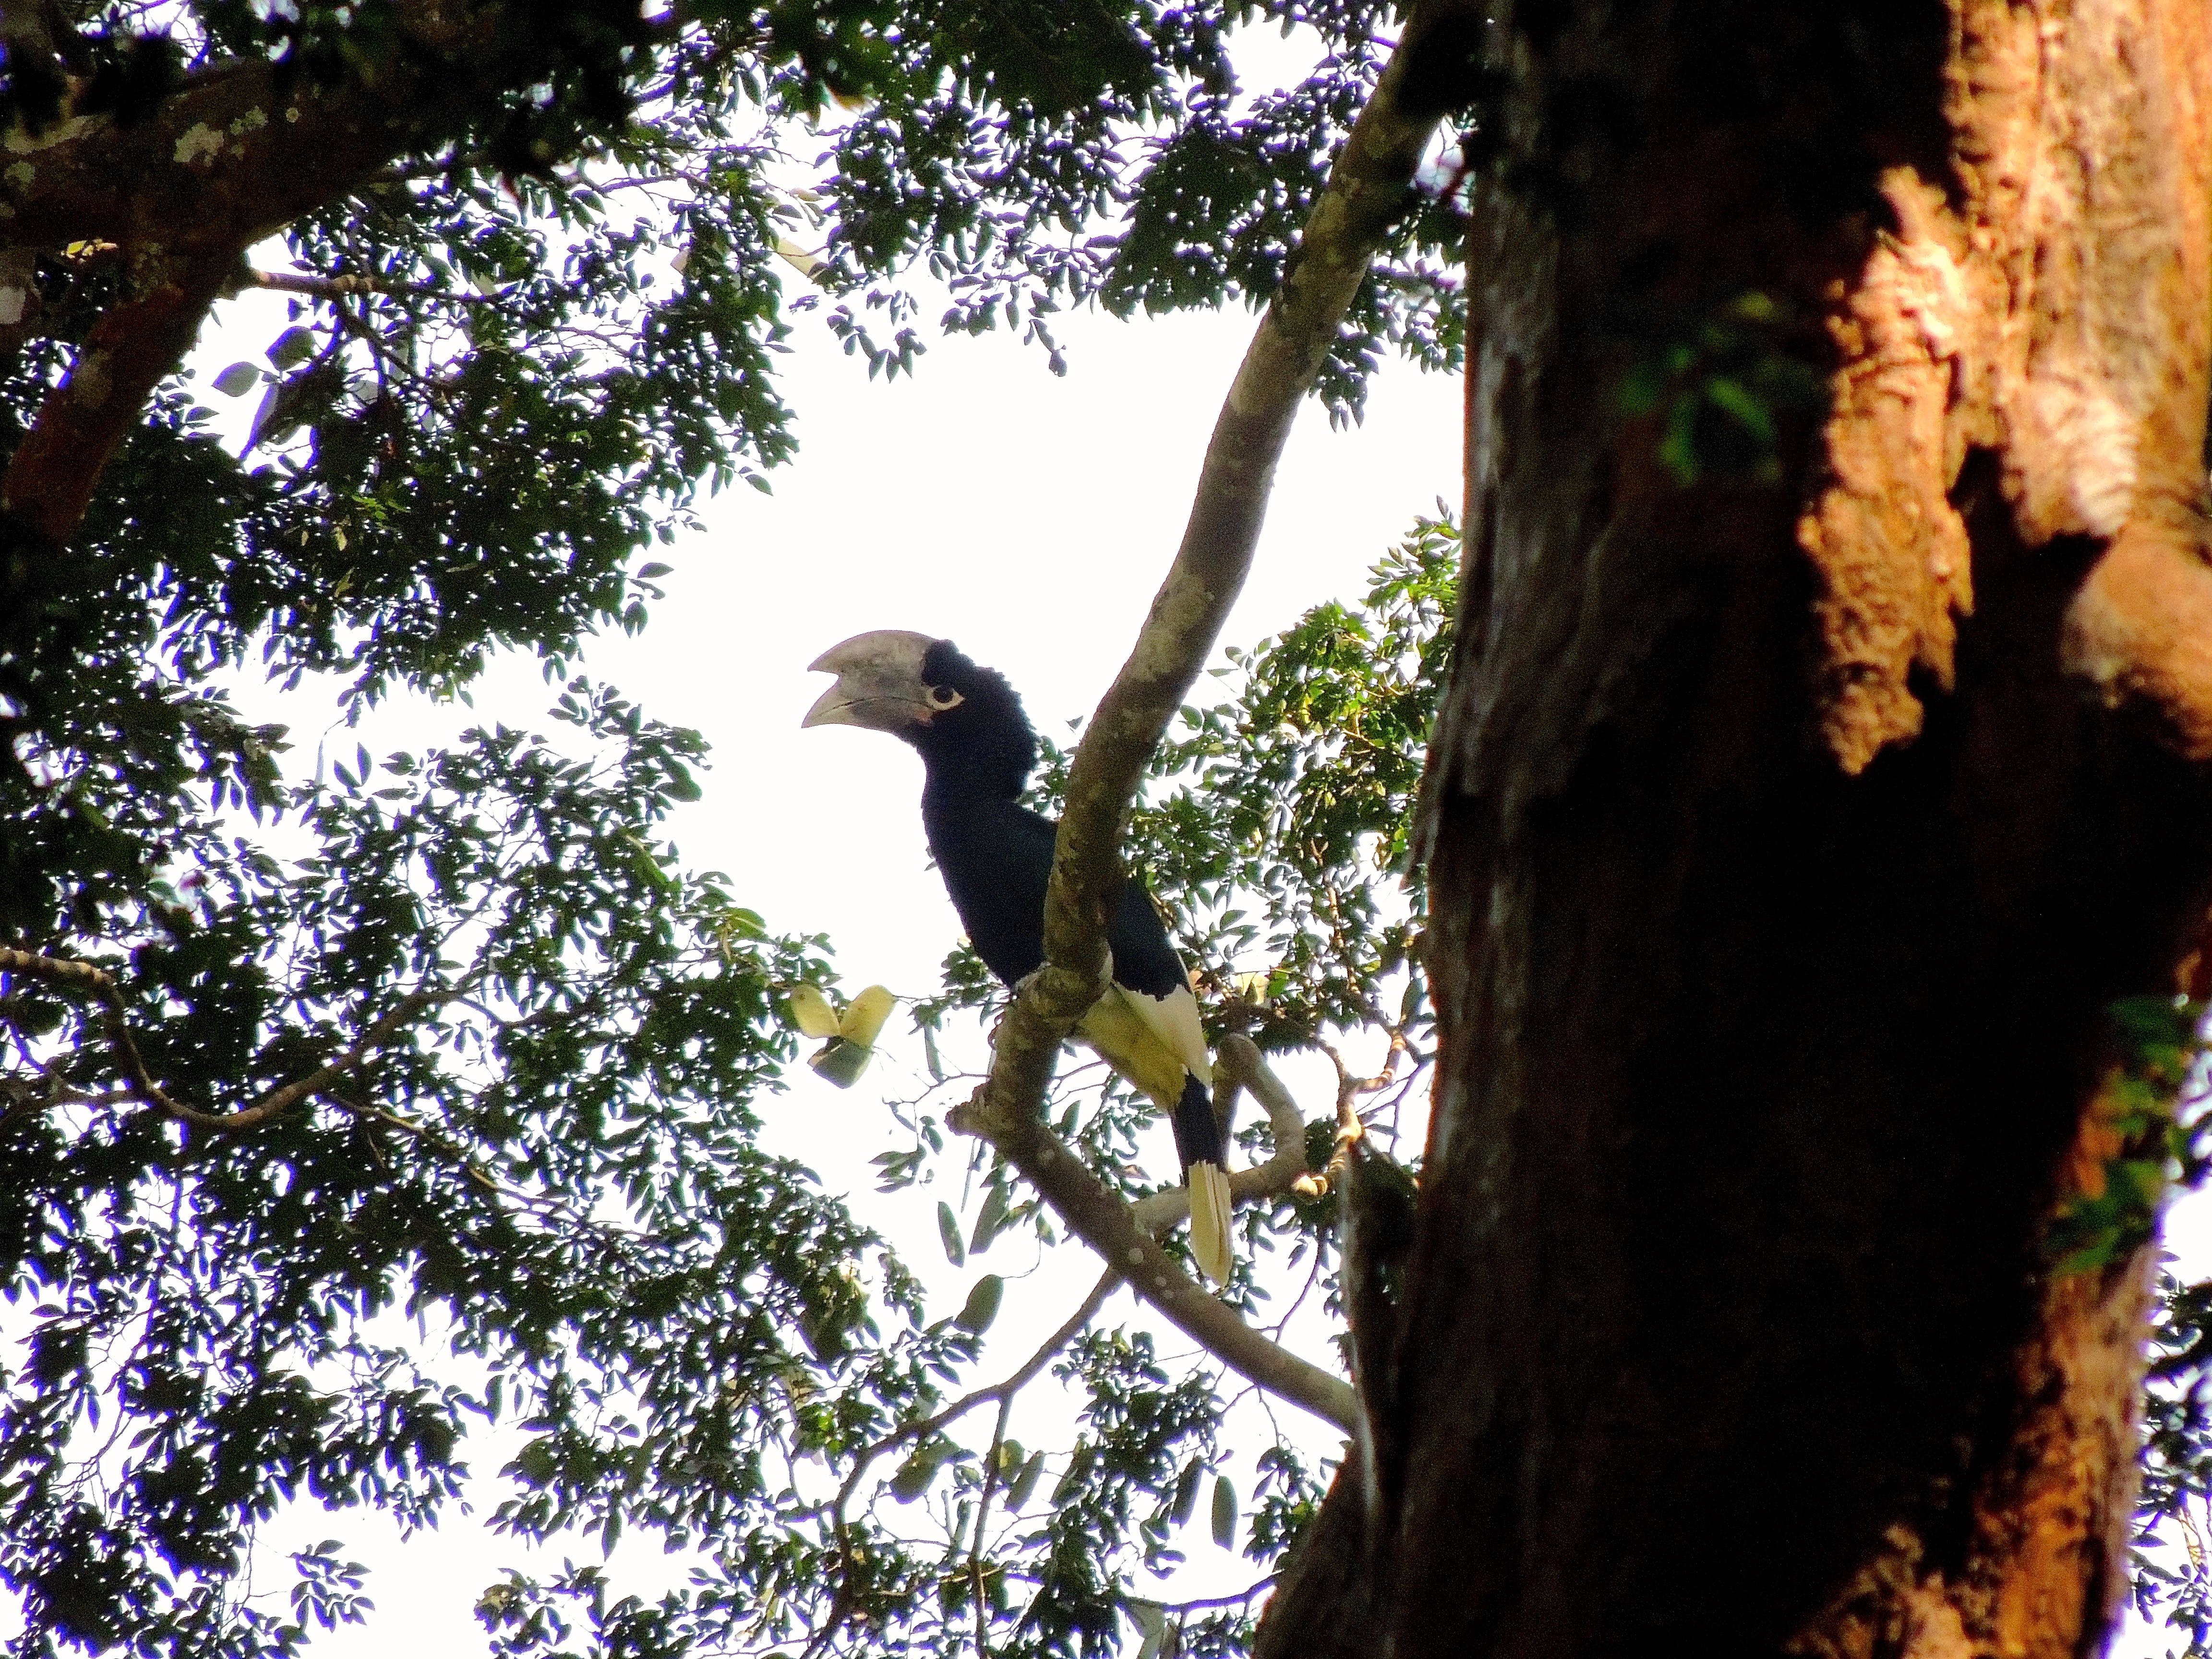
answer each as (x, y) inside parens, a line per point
(977, 751)
(996, 857)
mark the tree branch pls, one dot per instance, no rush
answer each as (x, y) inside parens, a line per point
(1368, 190)
(137, 341)
(102, 984)
(1003, 1392)
(1096, 1213)
(183, 194)
(1238, 1062)
(345, 287)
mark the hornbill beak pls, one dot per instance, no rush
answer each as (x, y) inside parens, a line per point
(879, 682)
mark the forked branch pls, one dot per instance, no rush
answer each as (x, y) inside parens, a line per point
(1368, 191)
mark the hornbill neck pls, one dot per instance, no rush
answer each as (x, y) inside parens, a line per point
(975, 757)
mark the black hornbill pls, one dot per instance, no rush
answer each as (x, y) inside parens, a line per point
(977, 751)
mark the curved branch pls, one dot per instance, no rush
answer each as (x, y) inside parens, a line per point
(137, 341)
(1368, 190)
(1097, 1215)
(61, 970)
(347, 287)
(1239, 1064)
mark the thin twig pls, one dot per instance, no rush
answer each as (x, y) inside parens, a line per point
(1003, 1392)
(1000, 1391)
(62, 970)
(976, 1540)
(1238, 1599)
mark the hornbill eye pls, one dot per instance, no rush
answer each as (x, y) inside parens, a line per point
(944, 696)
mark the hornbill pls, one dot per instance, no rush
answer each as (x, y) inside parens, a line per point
(977, 751)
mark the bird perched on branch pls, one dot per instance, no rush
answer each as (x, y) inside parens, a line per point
(977, 751)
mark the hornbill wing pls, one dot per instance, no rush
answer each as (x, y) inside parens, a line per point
(996, 863)
(1147, 969)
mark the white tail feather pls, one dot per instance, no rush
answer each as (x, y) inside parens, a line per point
(1210, 1209)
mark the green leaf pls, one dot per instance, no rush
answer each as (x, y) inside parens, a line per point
(912, 1477)
(1225, 1511)
(238, 379)
(293, 346)
(982, 1304)
(1024, 1484)
(948, 1230)
(1186, 1492)
(989, 1220)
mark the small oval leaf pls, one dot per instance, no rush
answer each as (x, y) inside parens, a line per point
(1185, 1493)
(1024, 1483)
(983, 1306)
(989, 1222)
(948, 1229)
(291, 347)
(238, 379)
(915, 1475)
(1225, 1511)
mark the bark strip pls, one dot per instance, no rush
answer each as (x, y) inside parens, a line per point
(2045, 296)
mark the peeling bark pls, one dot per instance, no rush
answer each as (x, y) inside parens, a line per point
(1788, 841)
(2044, 299)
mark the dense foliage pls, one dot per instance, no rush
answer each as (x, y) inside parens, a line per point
(554, 1166)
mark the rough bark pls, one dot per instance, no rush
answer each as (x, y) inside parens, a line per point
(1791, 831)
(229, 159)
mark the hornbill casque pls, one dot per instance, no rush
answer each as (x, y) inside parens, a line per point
(977, 751)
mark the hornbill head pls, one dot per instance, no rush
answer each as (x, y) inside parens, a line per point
(883, 683)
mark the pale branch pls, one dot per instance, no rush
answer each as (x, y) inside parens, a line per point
(59, 970)
(982, 1513)
(1350, 1128)
(1208, 1603)
(999, 1392)
(1368, 188)
(345, 287)
(1102, 1221)
(1368, 191)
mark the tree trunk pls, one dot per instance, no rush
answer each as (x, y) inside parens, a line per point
(1802, 801)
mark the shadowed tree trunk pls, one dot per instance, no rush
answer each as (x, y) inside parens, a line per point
(1819, 766)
